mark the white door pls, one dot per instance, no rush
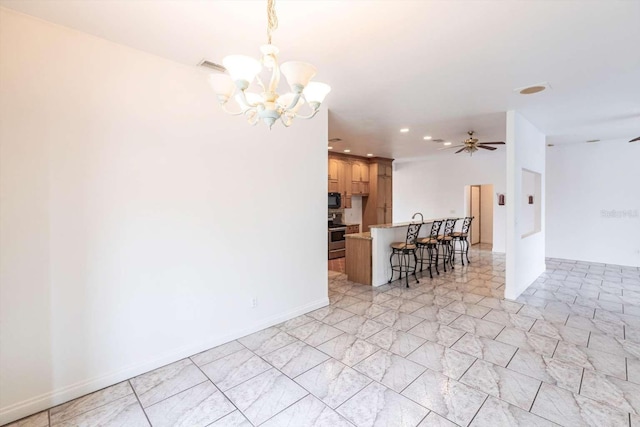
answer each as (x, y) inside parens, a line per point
(475, 213)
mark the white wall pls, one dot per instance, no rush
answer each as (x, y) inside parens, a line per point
(137, 219)
(436, 187)
(525, 256)
(593, 202)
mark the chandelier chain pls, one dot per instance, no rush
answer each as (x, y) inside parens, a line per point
(272, 18)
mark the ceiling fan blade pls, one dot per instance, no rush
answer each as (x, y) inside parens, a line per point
(493, 143)
(635, 139)
(486, 148)
(460, 150)
(449, 148)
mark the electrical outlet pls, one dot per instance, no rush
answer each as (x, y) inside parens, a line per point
(254, 302)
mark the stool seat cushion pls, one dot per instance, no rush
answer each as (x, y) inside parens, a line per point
(459, 234)
(402, 245)
(427, 241)
(442, 237)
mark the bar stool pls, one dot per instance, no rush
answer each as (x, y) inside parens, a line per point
(403, 251)
(460, 237)
(444, 241)
(430, 244)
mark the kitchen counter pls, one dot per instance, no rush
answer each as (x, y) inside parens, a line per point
(400, 224)
(364, 236)
(382, 235)
(368, 253)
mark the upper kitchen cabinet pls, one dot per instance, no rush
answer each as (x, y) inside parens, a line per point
(334, 170)
(360, 178)
(344, 180)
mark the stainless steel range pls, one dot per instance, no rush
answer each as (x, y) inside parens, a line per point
(336, 240)
(336, 234)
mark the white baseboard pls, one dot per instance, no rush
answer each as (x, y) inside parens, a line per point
(56, 397)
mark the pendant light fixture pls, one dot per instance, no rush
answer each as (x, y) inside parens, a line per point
(268, 106)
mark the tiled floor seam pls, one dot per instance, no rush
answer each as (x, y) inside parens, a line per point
(140, 403)
(479, 409)
(217, 388)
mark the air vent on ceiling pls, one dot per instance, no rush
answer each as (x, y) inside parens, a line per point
(335, 140)
(212, 65)
(437, 140)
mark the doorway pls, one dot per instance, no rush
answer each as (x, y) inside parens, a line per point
(480, 207)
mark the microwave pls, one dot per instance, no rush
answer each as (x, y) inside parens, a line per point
(335, 201)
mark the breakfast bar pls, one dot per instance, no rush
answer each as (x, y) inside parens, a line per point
(367, 254)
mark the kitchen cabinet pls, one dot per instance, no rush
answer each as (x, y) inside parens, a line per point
(352, 229)
(378, 208)
(334, 169)
(360, 178)
(344, 182)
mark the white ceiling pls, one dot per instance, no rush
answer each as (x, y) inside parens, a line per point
(439, 68)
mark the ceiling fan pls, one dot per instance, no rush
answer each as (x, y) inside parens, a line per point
(635, 139)
(471, 145)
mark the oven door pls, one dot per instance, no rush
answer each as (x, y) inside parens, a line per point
(336, 238)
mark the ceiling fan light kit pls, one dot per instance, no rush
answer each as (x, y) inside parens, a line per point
(269, 106)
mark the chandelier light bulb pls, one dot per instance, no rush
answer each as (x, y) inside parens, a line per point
(222, 85)
(242, 68)
(298, 74)
(316, 92)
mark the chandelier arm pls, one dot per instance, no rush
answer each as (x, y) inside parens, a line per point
(310, 116)
(259, 80)
(244, 102)
(293, 103)
(275, 76)
(288, 122)
(315, 107)
(231, 113)
(252, 119)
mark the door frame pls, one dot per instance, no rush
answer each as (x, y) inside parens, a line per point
(478, 221)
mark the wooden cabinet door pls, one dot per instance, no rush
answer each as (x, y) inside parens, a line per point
(388, 192)
(356, 171)
(382, 183)
(364, 172)
(334, 166)
(356, 188)
(388, 216)
(334, 187)
(347, 171)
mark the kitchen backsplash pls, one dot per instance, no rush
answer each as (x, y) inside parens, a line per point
(354, 215)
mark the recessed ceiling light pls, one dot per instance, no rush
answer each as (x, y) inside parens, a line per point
(447, 143)
(426, 138)
(330, 147)
(404, 130)
(347, 151)
(593, 140)
(369, 155)
(532, 89)
(528, 90)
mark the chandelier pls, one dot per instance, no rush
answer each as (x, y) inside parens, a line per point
(268, 105)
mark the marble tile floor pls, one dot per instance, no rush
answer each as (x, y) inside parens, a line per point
(449, 351)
